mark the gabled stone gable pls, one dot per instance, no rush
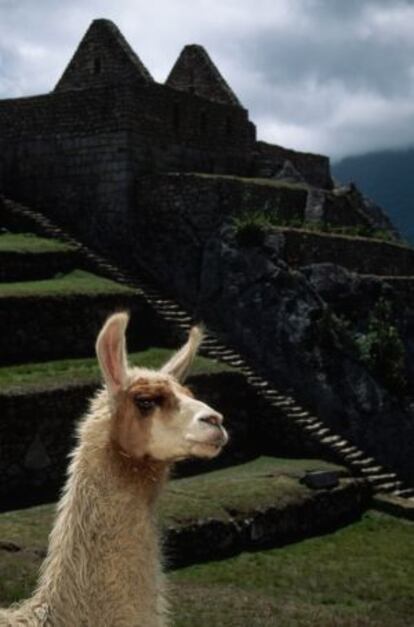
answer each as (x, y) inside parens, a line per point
(102, 57)
(195, 72)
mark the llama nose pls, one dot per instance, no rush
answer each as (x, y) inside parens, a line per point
(215, 420)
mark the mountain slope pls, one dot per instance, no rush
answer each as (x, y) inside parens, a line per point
(388, 178)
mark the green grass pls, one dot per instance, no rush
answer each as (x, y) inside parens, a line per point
(359, 576)
(70, 371)
(238, 490)
(244, 179)
(258, 483)
(73, 283)
(30, 243)
(220, 494)
(362, 575)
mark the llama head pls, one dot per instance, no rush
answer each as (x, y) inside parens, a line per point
(152, 414)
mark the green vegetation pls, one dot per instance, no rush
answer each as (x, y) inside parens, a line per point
(359, 576)
(240, 489)
(265, 182)
(86, 370)
(382, 349)
(252, 226)
(30, 243)
(73, 283)
(262, 482)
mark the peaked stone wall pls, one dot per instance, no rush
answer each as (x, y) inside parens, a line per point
(103, 56)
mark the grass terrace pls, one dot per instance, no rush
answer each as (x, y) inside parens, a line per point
(265, 182)
(86, 370)
(220, 494)
(359, 576)
(28, 243)
(74, 283)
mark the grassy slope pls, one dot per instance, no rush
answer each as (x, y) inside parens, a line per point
(359, 576)
(244, 487)
(30, 243)
(73, 283)
(86, 370)
(362, 575)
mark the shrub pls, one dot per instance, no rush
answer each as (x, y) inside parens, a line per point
(251, 228)
(382, 349)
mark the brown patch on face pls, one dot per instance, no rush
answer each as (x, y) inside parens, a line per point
(136, 407)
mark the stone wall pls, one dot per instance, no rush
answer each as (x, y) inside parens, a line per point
(30, 267)
(191, 208)
(45, 328)
(270, 159)
(359, 254)
(322, 512)
(77, 154)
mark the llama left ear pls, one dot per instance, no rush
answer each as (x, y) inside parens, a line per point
(111, 352)
(180, 363)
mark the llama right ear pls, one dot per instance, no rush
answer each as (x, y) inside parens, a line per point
(111, 352)
(180, 363)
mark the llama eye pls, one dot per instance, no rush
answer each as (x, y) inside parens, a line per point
(145, 404)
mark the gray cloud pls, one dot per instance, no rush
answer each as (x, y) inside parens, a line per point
(333, 76)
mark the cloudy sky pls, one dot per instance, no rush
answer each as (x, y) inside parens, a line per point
(330, 76)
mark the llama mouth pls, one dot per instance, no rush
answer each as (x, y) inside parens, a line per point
(215, 444)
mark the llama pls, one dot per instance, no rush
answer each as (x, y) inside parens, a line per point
(103, 563)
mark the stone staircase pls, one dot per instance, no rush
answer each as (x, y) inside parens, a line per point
(214, 346)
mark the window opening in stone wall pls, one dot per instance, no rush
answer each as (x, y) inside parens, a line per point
(176, 118)
(97, 65)
(203, 122)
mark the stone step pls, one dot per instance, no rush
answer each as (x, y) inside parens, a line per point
(333, 440)
(304, 421)
(372, 470)
(341, 445)
(322, 432)
(365, 461)
(313, 427)
(258, 383)
(237, 363)
(283, 404)
(298, 411)
(405, 492)
(387, 487)
(272, 394)
(379, 479)
(297, 416)
(353, 454)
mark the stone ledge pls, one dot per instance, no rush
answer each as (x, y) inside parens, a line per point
(272, 526)
(395, 505)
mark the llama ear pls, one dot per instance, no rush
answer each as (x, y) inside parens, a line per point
(179, 364)
(111, 352)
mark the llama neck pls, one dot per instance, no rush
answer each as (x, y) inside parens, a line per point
(103, 551)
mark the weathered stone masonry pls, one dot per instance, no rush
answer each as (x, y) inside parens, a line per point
(79, 151)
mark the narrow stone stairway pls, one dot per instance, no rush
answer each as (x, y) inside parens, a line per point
(336, 446)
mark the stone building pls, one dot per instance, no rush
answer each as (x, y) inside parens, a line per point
(107, 122)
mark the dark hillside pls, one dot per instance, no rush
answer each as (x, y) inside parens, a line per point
(388, 178)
